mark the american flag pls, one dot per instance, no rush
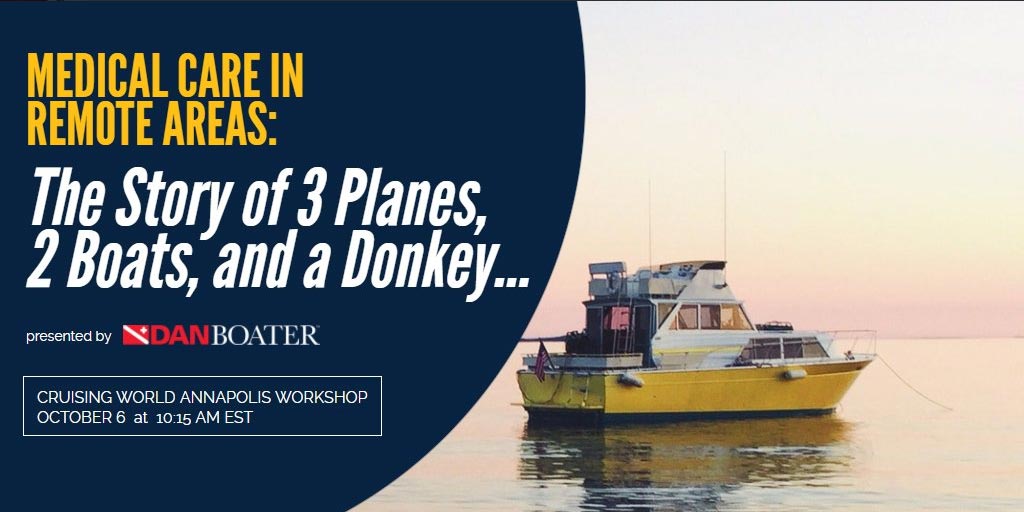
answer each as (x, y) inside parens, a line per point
(543, 359)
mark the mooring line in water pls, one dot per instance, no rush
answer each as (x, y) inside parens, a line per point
(912, 388)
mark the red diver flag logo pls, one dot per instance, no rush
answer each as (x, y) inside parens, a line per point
(135, 334)
(543, 359)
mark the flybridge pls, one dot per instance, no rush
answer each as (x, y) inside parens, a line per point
(699, 279)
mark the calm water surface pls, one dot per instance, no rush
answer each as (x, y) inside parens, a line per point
(885, 448)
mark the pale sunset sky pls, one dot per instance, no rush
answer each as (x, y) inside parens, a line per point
(875, 160)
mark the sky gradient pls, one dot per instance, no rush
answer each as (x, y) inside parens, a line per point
(875, 160)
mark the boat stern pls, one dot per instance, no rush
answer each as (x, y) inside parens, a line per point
(564, 395)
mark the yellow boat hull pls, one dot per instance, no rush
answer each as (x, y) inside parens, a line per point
(711, 393)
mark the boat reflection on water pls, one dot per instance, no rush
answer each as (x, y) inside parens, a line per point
(691, 465)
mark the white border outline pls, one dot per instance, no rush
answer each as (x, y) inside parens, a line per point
(380, 378)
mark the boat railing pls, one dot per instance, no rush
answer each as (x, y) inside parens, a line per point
(565, 361)
(865, 339)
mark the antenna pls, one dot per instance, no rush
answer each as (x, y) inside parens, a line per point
(650, 226)
(725, 208)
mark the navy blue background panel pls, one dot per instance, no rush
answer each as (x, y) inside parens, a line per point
(454, 91)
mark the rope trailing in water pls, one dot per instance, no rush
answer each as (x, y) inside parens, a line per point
(912, 388)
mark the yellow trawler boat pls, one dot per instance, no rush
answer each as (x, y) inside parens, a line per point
(672, 341)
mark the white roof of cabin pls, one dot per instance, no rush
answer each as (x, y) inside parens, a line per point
(701, 280)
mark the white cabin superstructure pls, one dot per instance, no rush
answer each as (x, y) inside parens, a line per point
(684, 315)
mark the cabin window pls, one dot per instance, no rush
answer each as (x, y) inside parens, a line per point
(812, 348)
(793, 348)
(686, 317)
(733, 318)
(710, 316)
(761, 348)
(664, 309)
(616, 318)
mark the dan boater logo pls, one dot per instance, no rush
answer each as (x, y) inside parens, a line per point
(288, 335)
(135, 334)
